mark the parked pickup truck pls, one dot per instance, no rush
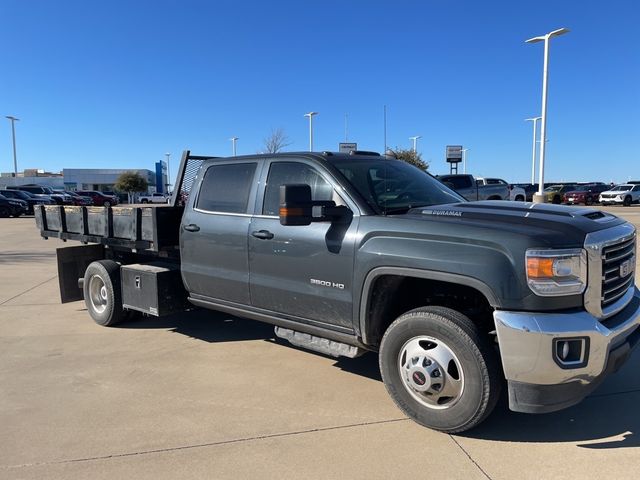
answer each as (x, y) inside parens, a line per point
(473, 189)
(516, 193)
(154, 198)
(346, 253)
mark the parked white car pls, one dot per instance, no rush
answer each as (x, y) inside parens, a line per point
(621, 194)
(154, 198)
(515, 193)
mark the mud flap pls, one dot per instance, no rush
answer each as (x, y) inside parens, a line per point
(72, 263)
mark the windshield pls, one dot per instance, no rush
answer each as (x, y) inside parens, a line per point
(553, 188)
(393, 186)
(621, 188)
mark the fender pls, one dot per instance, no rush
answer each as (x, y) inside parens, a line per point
(482, 287)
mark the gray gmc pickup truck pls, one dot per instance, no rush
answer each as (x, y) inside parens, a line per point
(347, 253)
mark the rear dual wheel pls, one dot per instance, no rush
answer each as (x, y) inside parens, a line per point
(102, 294)
(439, 369)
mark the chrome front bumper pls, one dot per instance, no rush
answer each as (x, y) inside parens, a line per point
(526, 348)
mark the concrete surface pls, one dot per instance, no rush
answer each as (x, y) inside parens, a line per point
(206, 395)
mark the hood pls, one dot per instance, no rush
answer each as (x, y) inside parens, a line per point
(556, 224)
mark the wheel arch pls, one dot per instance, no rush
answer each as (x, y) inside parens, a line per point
(386, 281)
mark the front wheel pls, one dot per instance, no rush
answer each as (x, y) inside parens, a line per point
(102, 294)
(144, 200)
(4, 212)
(439, 369)
(106, 204)
(627, 201)
(519, 198)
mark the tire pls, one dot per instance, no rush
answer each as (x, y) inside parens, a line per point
(106, 204)
(144, 201)
(4, 212)
(16, 215)
(102, 294)
(519, 198)
(469, 357)
(627, 201)
(556, 200)
(588, 201)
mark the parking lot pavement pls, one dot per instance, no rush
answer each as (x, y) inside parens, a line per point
(206, 395)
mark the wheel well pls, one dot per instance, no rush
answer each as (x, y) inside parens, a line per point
(519, 198)
(392, 295)
(494, 197)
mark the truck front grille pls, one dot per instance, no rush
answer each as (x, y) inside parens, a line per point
(611, 254)
(618, 266)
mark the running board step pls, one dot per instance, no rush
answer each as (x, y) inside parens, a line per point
(319, 344)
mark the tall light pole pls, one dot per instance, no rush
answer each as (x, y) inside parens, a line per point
(533, 153)
(415, 142)
(234, 140)
(464, 159)
(13, 120)
(310, 115)
(538, 197)
(168, 172)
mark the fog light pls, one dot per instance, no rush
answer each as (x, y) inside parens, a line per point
(571, 352)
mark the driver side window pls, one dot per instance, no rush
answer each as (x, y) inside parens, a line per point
(282, 173)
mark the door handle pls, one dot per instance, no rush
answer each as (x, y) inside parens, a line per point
(263, 234)
(192, 227)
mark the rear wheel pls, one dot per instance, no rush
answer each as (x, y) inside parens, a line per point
(627, 201)
(4, 212)
(439, 369)
(102, 294)
(106, 204)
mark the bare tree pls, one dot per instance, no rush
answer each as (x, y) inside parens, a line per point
(276, 141)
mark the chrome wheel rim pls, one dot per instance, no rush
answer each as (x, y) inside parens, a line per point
(98, 294)
(431, 372)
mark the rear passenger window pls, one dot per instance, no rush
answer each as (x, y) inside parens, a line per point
(226, 188)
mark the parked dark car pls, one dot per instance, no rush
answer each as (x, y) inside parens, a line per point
(79, 200)
(27, 197)
(12, 207)
(99, 199)
(42, 190)
(586, 194)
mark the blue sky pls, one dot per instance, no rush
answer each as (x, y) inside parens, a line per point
(118, 84)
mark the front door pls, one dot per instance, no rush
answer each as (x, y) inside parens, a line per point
(301, 271)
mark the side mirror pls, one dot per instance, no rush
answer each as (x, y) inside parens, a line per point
(297, 208)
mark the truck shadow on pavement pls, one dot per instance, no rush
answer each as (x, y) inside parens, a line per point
(607, 419)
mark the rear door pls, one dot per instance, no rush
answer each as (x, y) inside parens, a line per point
(214, 230)
(302, 271)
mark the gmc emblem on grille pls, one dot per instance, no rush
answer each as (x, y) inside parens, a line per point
(625, 268)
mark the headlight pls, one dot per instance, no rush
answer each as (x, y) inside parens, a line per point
(552, 273)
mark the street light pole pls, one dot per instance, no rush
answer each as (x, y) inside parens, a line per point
(233, 142)
(168, 172)
(533, 153)
(13, 134)
(415, 142)
(539, 197)
(464, 159)
(310, 115)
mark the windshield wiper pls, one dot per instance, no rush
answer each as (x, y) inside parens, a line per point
(391, 211)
